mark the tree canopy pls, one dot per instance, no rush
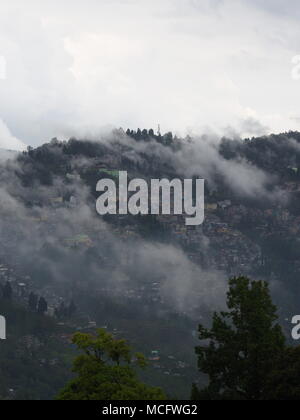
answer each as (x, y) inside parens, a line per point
(105, 371)
(244, 346)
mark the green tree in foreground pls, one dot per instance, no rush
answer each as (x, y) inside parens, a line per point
(284, 380)
(105, 372)
(245, 350)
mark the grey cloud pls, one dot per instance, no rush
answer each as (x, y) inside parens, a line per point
(140, 63)
(279, 7)
(253, 127)
(184, 286)
(201, 157)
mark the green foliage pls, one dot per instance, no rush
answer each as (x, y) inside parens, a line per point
(244, 344)
(27, 371)
(105, 373)
(283, 382)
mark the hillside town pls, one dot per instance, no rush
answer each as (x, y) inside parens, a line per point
(81, 270)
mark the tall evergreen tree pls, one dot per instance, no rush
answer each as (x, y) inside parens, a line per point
(7, 291)
(33, 301)
(151, 133)
(138, 135)
(42, 306)
(72, 309)
(244, 344)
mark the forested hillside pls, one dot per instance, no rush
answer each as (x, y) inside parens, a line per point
(150, 279)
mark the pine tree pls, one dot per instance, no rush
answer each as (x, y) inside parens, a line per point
(7, 291)
(244, 344)
(72, 309)
(42, 306)
(33, 302)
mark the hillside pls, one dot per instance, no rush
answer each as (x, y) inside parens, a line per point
(148, 278)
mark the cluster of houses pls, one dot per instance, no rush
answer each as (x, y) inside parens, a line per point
(221, 242)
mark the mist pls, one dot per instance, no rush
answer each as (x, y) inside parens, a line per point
(189, 66)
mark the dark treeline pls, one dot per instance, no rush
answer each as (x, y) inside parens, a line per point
(275, 154)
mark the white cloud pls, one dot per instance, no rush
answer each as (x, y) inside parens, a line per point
(75, 65)
(8, 141)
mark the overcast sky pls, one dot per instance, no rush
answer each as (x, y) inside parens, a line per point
(74, 66)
